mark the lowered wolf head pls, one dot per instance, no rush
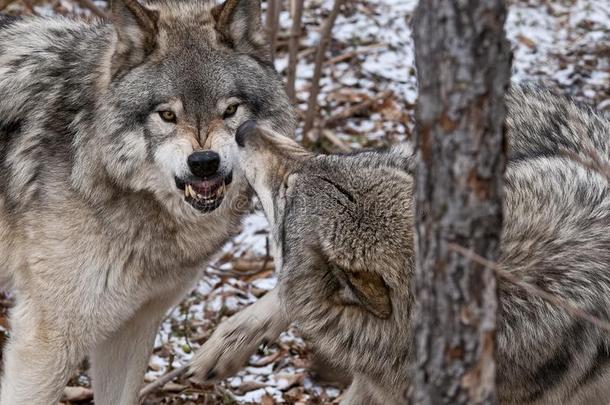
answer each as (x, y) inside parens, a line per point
(343, 246)
(176, 81)
(340, 223)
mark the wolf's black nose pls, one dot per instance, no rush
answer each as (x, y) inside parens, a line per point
(244, 131)
(204, 163)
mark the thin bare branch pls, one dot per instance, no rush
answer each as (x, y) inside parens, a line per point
(161, 381)
(508, 276)
(325, 37)
(306, 52)
(343, 147)
(358, 108)
(272, 20)
(293, 49)
(354, 53)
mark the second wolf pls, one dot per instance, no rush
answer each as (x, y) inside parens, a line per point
(343, 235)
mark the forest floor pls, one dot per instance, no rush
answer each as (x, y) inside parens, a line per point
(367, 99)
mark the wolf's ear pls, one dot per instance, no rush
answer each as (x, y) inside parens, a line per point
(136, 28)
(366, 289)
(239, 24)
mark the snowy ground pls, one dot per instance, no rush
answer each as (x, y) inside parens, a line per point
(565, 44)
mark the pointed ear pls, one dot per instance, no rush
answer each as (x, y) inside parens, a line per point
(368, 290)
(239, 24)
(136, 28)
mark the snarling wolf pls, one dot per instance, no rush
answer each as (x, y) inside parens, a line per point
(343, 242)
(118, 178)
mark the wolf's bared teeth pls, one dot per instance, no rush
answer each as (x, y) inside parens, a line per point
(190, 190)
(220, 191)
(199, 196)
(186, 191)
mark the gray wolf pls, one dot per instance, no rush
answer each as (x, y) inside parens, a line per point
(343, 239)
(119, 178)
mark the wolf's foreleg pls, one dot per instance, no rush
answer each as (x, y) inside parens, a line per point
(119, 362)
(364, 391)
(39, 359)
(359, 393)
(237, 338)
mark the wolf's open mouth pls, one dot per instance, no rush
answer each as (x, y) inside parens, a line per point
(205, 195)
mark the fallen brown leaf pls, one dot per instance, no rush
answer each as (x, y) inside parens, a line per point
(267, 359)
(286, 381)
(248, 386)
(267, 400)
(526, 41)
(173, 387)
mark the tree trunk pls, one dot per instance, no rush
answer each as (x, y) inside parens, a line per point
(293, 50)
(272, 21)
(463, 64)
(325, 37)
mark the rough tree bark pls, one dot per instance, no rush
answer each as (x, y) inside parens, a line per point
(272, 21)
(463, 64)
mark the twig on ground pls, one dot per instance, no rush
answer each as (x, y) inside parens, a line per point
(356, 52)
(161, 381)
(357, 109)
(225, 393)
(325, 37)
(293, 48)
(553, 299)
(237, 274)
(242, 268)
(336, 141)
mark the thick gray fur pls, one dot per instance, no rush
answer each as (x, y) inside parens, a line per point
(97, 241)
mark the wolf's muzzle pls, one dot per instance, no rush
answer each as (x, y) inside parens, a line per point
(205, 188)
(204, 163)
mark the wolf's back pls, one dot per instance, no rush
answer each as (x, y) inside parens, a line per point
(6, 20)
(540, 123)
(48, 76)
(556, 236)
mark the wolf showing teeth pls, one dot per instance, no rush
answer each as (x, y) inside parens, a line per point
(119, 178)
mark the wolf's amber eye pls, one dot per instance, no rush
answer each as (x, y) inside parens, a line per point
(168, 116)
(230, 111)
